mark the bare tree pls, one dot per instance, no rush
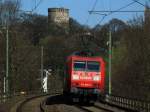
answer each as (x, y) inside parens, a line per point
(9, 11)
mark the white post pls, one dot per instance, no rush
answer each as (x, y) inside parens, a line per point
(45, 79)
(45, 82)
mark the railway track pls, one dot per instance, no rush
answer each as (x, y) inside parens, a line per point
(31, 104)
(100, 107)
(92, 109)
(58, 104)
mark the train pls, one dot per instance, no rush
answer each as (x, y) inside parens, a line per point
(84, 78)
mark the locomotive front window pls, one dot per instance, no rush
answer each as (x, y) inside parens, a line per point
(93, 66)
(79, 65)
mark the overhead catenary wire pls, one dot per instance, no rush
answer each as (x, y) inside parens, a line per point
(33, 9)
(116, 11)
(112, 11)
(139, 2)
(93, 8)
(102, 19)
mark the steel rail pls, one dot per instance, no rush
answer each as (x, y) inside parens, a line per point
(19, 108)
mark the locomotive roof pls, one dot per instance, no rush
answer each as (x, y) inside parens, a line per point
(84, 57)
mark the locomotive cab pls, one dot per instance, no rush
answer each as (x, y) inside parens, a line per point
(84, 77)
(85, 74)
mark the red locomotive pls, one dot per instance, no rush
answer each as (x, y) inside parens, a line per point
(84, 78)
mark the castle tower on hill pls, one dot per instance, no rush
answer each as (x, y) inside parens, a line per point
(59, 16)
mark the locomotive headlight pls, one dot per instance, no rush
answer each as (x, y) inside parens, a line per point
(96, 78)
(75, 77)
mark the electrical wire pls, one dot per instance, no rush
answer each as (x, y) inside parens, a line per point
(99, 12)
(102, 19)
(116, 11)
(122, 7)
(93, 8)
(139, 2)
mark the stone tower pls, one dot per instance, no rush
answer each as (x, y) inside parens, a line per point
(59, 16)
